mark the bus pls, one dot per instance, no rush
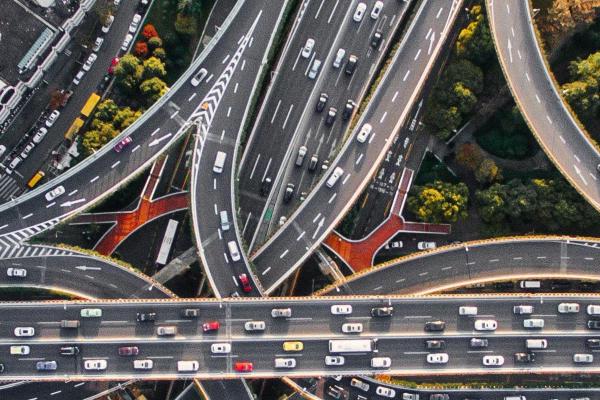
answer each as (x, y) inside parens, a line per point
(352, 345)
(90, 104)
(165, 247)
(74, 128)
(35, 179)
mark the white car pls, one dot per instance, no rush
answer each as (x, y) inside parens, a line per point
(24, 331)
(109, 22)
(285, 363)
(220, 348)
(437, 358)
(593, 309)
(377, 9)
(52, 118)
(13, 164)
(364, 133)
(95, 365)
(359, 13)
(19, 350)
(78, 77)
(341, 309)
(494, 361)
(568, 308)
(381, 362)
(334, 360)
(385, 392)
(583, 358)
(54, 193)
(199, 77)
(98, 43)
(25, 153)
(426, 245)
(89, 62)
(357, 383)
(16, 272)
(143, 364)
(352, 328)
(126, 42)
(255, 326)
(485, 325)
(39, 135)
(308, 47)
(135, 23)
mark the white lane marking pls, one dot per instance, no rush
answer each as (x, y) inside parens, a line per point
(214, 183)
(332, 198)
(517, 258)
(400, 280)
(235, 88)
(192, 96)
(423, 273)
(275, 113)
(265, 271)
(346, 179)
(284, 253)
(94, 179)
(216, 212)
(494, 260)
(73, 192)
(431, 43)
(319, 9)
(301, 235)
(589, 258)
(254, 168)
(222, 135)
(541, 257)
(3, 226)
(446, 268)
(333, 11)
(115, 164)
(155, 132)
(316, 218)
(243, 65)
(225, 59)
(527, 76)
(512, 31)
(27, 216)
(548, 118)
(297, 59)
(226, 258)
(395, 95)
(235, 282)
(417, 55)
(358, 160)
(209, 78)
(228, 112)
(267, 169)
(136, 148)
(577, 158)
(428, 33)
(519, 54)
(406, 76)
(538, 99)
(51, 204)
(383, 117)
(507, 8)
(562, 139)
(439, 13)
(371, 138)
(287, 117)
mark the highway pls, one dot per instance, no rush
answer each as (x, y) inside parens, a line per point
(400, 337)
(284, 252)
(565, 143)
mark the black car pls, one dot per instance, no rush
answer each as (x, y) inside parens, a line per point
(376, 39)
(289, 192)
(330, 119)
(435, 344)
(593, 343)
(69, 351)
(525, 357)
(382, 311)
(351, 64)
(1, 368)
(322, 102)
(593, 324)
(146, 317)
(348, 109)
(314, 161)
(439, 396)
(478, 342)
(265, 186)
(435, 326)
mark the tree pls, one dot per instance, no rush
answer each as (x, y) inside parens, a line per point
(154, 68)
(96, 138)
(469, 156)
(439, 202)
(140, 49)
(488, 172)
(149, 31)
(128, 73)
(185, 24)
(159, 53)
(152, 89)
(475, 41)
(106, 111)
(155, 42)
(582, 92)
(125, 117)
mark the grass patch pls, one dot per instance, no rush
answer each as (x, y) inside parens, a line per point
(432, 170)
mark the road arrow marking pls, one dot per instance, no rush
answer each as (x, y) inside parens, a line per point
(160, 139)
(70, 203)
(84, 268)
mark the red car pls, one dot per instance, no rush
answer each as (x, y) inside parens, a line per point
(129, 351)
(126, 141)
(243, 366)
(245, 282)
(211, 326)
(113, 64)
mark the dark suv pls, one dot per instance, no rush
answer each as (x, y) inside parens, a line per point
(322, 102)
(435, 326)
(593, 324)
(289, 192)
(382, 311)
(525, 357)
(146, 317)
(435, 344)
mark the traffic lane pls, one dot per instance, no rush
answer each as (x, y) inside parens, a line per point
(541, 104)
(413, 57)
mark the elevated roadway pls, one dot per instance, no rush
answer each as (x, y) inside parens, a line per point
(545, 111)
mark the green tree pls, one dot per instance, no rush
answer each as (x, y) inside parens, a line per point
(129, 73)
(154, 68)
(152, 89)
(106, 111)
(469, 156)
(488, 172)
(439, 202)
(475, 41)
(155, 42)
(185, 24)
(125, 117)
(582, 92)
(159, 53)
(94, 139)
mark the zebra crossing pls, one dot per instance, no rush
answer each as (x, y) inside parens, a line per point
(9, 188)
(35, 251)
(12, 244)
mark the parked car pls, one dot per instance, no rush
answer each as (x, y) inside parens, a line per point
(211, 326)
(145, 317)
(87, 65)
(243, 366)
(98, 43)
(135, 22)
(39, 135)
(129, 351)
(113, 64)
(426, 245)
(109, 21)
(435, 326)
(52, 118)
(24, 331)
(126, 42)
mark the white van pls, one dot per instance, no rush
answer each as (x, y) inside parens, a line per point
(219, 162)
(536, 343)
(187, 366)
(522, 309)
(534, 323)
(530, 284)
(381, 362)
(339, 57)
(233, 250)
(593, 309)
(583, 358)
(335, 175)
(224, 220)
(143, 364)
(469, 311)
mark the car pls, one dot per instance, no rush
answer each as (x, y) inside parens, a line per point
(357, 383)
(313, 163)
(364, 133)
(109, 21)
(245, 282)
(190, 313)
(129, 351)
(359, 12)
(323, 97)
(435, 344)
(525, 357)
(376, 39)
(382, 311)
(593, 309)
(78, 77)
(339, 57)
(583, 358)
(439, 396)
(97, 43)
(485, 325)
(281, 312)
(536, 343)
(381, 362)
(314, 69)
(211, 326)
(352, 328)
(435, 326)
(265, 186)
(117, 3)
(46, 365)
(126, 141)
(376, 10)
(568, 308)
(1, 368)
(24, 331)
(113, 64)
(289, 192)
(143, 364)
(52, 118)
(2, 149)
(341, 309)
(478, 342)
(308, 48)
(437, 358)
(351, 64)
(126, 42)
(13, 164)
(39, 135)
(426, 245)
(25, 153)
(220, 348)
(16, 272)
(199, 77)
(87, 65)
(523, 310)
(95, 365)
(91, 313)
(285, 363)
(534, 323)
(69, 350)
(334, 360)
(467, 310)
(337, 392)
(348, 109)
(135, 22)
(293, 346)
(252, 326)
(410, 396)
(188, 366)
(331, 114)
(394, 245)
(19, 350)
(169, 330)
(493, 361)
(145, 317)
(593, 343)
(385, 392)
(243, 366)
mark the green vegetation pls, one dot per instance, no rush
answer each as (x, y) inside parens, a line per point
(109, 120)
(432, 170)
(471, 158)
(439, 202)
(582, 91)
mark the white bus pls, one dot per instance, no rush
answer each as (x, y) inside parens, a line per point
(352, 345)
(167, 242)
